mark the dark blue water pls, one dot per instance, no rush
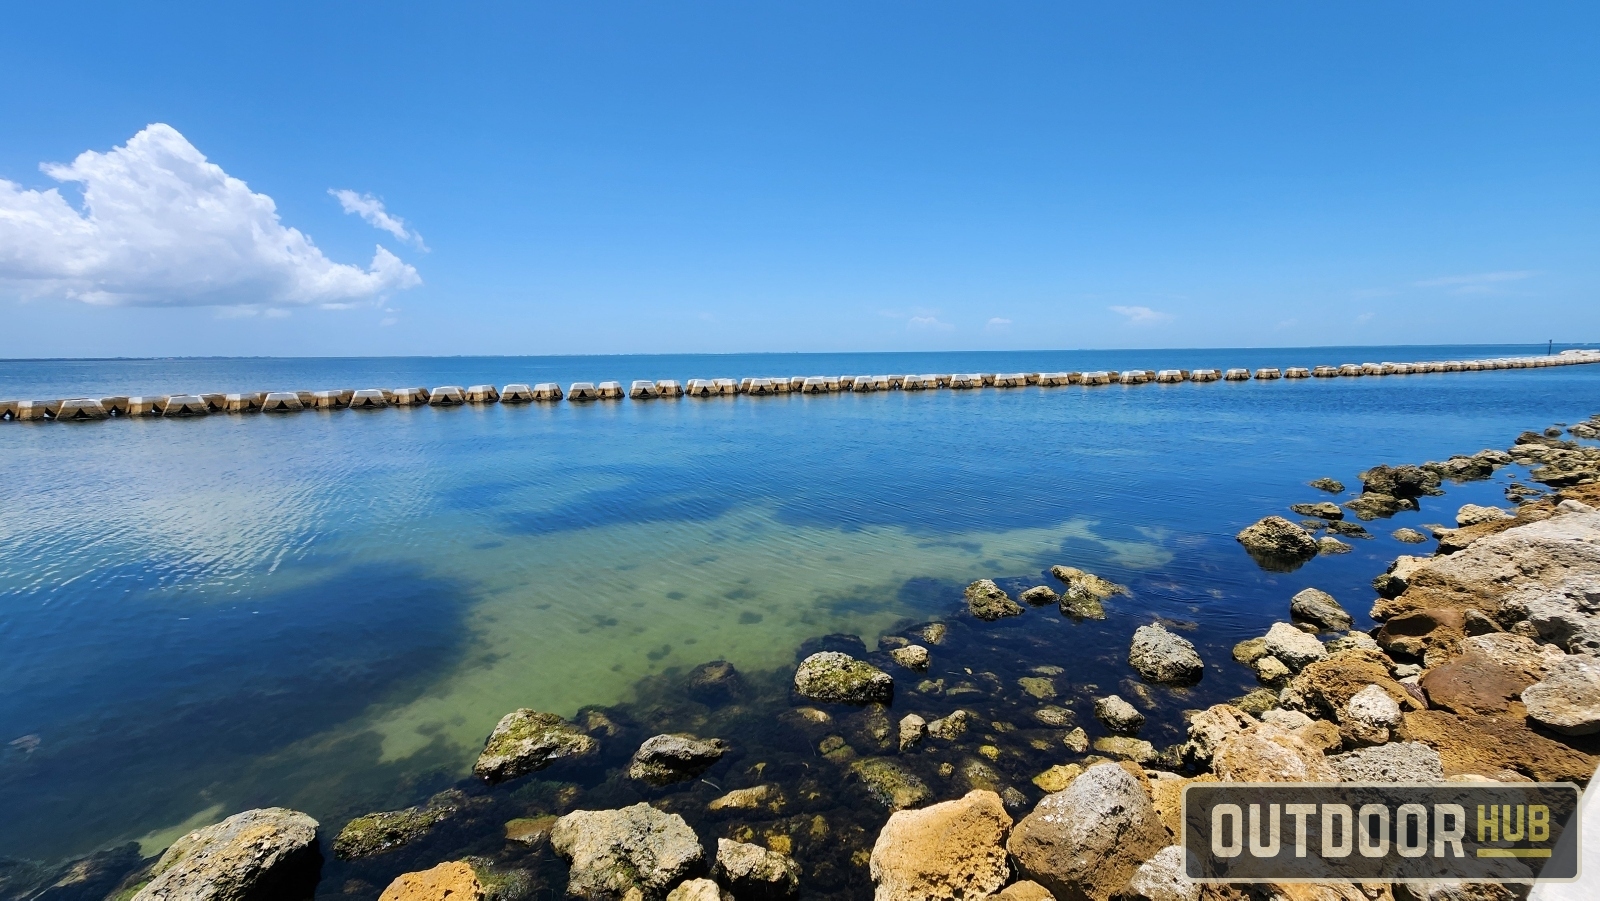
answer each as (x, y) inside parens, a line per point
(330, 610)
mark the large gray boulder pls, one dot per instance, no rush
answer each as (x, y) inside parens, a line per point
(753, 873)
(1085, 842)
(268, 854)
(943, 852)
(665, 759)
(1318, 608)
(1277, 544)
(1567, 700)
(612, 851)
(836, 677)
(1163, 657)
(527, 740)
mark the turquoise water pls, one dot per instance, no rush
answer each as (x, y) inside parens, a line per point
(329, 611)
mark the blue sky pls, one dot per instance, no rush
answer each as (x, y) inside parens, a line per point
(672, 177)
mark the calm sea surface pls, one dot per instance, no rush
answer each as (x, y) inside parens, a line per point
(329, 611)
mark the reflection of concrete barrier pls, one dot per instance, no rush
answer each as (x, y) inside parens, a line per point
(185, 405)
(669, 388)
(1205, 375)
(483, 394)
(447, 396)
(610, 391)
(1297, 372)
(281, 402)
(1267, 374)
(408, 397)
(579, 392)
(1098, 377)
(1011, 380)
(80, 409)
(1236, 375)
(546, 392)
(368, 399)
(814, 385)
(517, 393)
(116, 406)
(241, 402)
(642, 389)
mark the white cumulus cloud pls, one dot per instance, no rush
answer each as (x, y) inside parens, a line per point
(1141, 315)
(371, 209)
(160, 225)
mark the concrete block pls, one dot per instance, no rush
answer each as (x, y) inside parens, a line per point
(281, 402)
(8, 409)
(1297, 372)
(517, 393)
(780, 386)
(368, 399)
(962, 382)
(914, 383)
(1267, 374)
(642, 389)
(727, 387)
(814, 385)
(1131, 377)
(896, 382)
(1032, 378)
(757, 387)
(610, 391)
(1236, 375)
(669, 388)
(345, 394)
(408, 397)
(1350, 370)
(185, 405)
(116, 405)
(32, 410)
(328, 400)
(1097, 377)
(80, 409)
(547, 392)
(579, 392)
(241, 402)
(482, 394)
(306, 398)
(1372, 369)
(987, 378)
(944, 379)
(1455, 365)
(1011, 380)
(447, 396)
(1168, 376)
(834, 384)
(1325, 372)
(862, 383)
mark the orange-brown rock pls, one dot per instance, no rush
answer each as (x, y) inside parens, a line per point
(1420, 633)
(1167, 796)
(1326, 686)
(948, 851)
(1475, 684)
(452, 881)
(1486, 744)
(1025, 891)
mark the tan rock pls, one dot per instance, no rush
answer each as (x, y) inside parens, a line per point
(1209, 727)
(1025, 891)
(943, 852)
(699, 890)
(1161, 878)
(452, 881)
(1324, 688)
(1490, 744)
(768, 797)
(1266, 753)
(1057, 777)
(1084, 843)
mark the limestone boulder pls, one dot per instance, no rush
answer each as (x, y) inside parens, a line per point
(1403, 761)
(838, 678)
(1161, 878)
(1320, 509)
(1208, 729)
(1084, 843)
(754, 873)
(1163, 657)
(988, 602)
(1266, 753)
(1489, 744)
(1118, 715)
(913, 732)
(1400, 481)
(699, 890)
(1323, 688)
(1319, 609)
(268, 854)
(1294, 648)
(1026, 890)
(637, 847)
(1038, 596)
(944, 852)
(912, 657)
(1473, 515)
(451, 881)
(1277, 544)
(1568, 699)
(1476, 683)
(1370, 716)
(665, 759)
(527, 740)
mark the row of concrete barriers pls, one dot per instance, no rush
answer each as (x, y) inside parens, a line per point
(176, 405)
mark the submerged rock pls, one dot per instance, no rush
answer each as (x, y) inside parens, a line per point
(889, 783)
(758, 797)
(1086, 841)
(913, 731)
(1058, 777)
(912, 657)
(525, 741)
(1160, 656)
(612, 851)
(1319, 609)
(1038, 595)
(945, 852)
(1277, 544)
(754, 873)
(839, 678)
(665, 759)
(987, 602)
(1320, 509)
(699, 890)
(951, 726)
(377, 833)
(1122, 747)
(716, 682)
(1332, 486)
(1085, 592)
(269, 853)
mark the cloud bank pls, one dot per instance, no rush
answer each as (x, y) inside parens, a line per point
(162, 226)
(371, 209)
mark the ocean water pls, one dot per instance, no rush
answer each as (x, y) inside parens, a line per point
(330, 611)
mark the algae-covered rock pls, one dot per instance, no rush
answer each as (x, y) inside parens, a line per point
(1327, 545)
(889, 783)
(1162, 657)
(945, 852)
(757, 797)
(270, 853)
(912, 657)
(637, 847)
(1277, 544)
(1085, 592)
(527, 740)
(665, 759)
(716, 682)
(988, 602)
(839, 678)
(1409, 536)
(754, 873)
(1332, 486)
(1121, 747)
(377, 833)
(1057, 777)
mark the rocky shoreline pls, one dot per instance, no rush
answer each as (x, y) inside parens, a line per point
(999, 772)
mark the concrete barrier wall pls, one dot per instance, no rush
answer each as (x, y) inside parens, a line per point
(185, 405)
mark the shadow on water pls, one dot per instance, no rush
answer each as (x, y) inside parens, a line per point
(236, 685)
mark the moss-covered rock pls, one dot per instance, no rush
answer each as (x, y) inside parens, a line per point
(988, 602)
(838, 678)
(525, 741)
(376, 833)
